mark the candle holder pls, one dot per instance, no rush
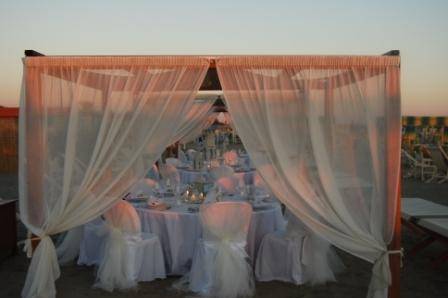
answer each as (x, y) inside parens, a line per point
(192, 196)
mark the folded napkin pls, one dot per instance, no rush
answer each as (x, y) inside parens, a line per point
(140, 195)
(158, 205)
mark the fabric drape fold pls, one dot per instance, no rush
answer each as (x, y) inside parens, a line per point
(324, 133)
(86, 123)
(198, 118)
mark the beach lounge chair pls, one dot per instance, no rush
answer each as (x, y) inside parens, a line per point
(427, 219)
(440, 160)
(418, 168)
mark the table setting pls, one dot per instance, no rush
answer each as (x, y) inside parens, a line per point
(172, 213)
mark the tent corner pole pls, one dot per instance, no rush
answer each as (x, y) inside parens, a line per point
(32, 53)
(395, 245)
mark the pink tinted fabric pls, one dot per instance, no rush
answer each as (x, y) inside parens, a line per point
(228, 184)
(87, 124)
(124, 217)
(324, 132)
(229, 220)
(231, 157)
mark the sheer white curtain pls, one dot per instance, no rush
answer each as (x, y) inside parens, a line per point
(324, 132)
(85, 125)
(198, 118)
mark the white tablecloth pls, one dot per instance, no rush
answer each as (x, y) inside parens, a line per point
(179, 230)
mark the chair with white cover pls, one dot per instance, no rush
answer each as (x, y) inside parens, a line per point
(220, 266)
(221, 171)
(94, 233)
(144, 187)
(170, 173)
(260, 185)
(230, 157)
(297, 256)
(228, 184)
(127, 255)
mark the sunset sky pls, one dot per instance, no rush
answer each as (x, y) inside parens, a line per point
(419, 29)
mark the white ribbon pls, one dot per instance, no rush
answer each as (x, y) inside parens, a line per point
(381, 276)
(232, 274)
(112, 272)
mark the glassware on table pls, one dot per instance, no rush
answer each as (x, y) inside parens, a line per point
(219, 194)
(250, 192)
(177, 193)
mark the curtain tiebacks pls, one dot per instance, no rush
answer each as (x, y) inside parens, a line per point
(381, 271)
(397, 251)
(28, 243)
(381, 276)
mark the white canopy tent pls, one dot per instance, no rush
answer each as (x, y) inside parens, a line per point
(323, 131)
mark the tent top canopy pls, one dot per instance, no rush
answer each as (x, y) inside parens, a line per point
(211, 81)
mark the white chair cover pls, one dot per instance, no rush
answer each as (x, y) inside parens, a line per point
(231, 157)
(228, 185)
(278, 259)
(258, 181)
(221, 171)
(127, 256)
(318, 257)
(260, 185)
(143, 187)
(169, 172)
(122, 216)
(220, 267)
(320, 260)
(94, 233)
(296, 255)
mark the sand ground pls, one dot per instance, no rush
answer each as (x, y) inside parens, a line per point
(418, 278)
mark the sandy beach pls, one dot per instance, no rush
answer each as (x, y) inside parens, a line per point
(418, 278)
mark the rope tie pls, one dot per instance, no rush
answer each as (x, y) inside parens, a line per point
(397, 251)
(28, 246)
(381, 275)
(28, 243)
